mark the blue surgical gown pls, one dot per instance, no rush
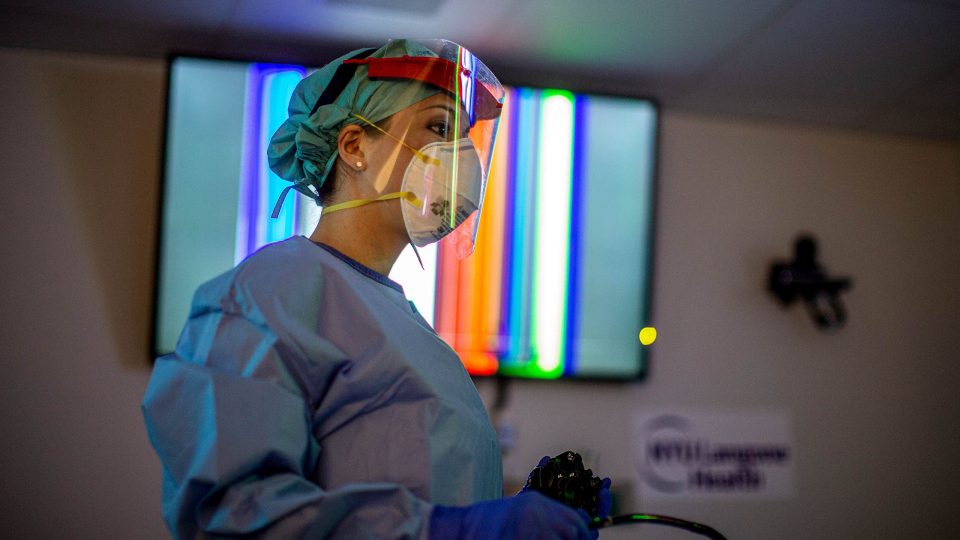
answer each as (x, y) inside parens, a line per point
(307, 398)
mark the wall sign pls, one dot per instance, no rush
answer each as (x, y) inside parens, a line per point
(714, 454)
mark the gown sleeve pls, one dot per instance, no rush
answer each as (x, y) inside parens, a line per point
(229, 416)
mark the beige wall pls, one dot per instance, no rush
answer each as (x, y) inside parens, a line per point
(80, 161)
(874, 407)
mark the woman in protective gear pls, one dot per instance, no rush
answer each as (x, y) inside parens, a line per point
(307, 398)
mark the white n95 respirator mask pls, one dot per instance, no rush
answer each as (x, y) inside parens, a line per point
(446, 183)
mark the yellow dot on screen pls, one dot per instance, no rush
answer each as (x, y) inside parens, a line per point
(648, 335)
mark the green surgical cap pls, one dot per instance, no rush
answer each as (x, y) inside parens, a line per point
(304, 148)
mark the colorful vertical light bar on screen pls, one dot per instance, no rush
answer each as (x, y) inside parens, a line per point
(577, 208)
(279, 87)
(269, 87)
(492, 231)
(518, 358)
(523, 215)
(469, 300)
(552, 245)
(507, 308)
(481, 275)
(508, 126)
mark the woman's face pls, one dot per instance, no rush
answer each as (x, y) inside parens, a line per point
(425, 122)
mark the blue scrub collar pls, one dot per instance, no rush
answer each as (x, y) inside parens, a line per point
(363, 269)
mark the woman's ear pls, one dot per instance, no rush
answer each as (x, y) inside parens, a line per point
(348, 146)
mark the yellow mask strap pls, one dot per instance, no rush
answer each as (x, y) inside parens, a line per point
(420, 155)
(408, 195)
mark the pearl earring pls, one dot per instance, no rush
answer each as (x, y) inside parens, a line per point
(359, 164)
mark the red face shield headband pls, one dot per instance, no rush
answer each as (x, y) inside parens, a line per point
(477, 100)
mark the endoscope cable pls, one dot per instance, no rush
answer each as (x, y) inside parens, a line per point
(709, 532)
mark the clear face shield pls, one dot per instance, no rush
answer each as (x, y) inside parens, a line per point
(444, 142)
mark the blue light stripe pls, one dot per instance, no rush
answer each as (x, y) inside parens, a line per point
(503, 347)
(279, 87)
(577, 207)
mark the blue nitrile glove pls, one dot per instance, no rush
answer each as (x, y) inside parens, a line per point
(528, 515)
(606, 499)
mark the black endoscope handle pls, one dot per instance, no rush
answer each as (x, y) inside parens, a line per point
(563, 478)
(699, 528)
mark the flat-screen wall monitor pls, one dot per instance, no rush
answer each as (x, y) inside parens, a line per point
(559, 283)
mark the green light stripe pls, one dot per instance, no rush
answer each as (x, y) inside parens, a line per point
(552, 250)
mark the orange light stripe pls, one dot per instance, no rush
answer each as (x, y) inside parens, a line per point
(475, 270)
(468, 342)
(465, 303)
(447, 294)
(481, 292)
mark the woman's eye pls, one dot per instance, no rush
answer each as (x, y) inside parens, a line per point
(440, 128)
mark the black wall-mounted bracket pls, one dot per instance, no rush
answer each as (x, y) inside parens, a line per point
(804, 279)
